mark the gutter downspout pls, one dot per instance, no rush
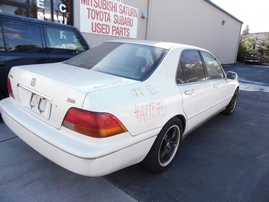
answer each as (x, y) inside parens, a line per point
(147, 23)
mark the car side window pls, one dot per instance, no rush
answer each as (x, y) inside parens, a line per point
(64, 41)
(214, 70)
(2, 47)
(22, 37)
(190, 68)
(180, 75)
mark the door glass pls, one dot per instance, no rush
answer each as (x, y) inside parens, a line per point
(2, 47)
(64, 41)
(192, 66)
(214, 70)
(180, 75)
(22, 37)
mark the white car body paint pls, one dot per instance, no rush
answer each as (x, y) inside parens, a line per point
(143, 108)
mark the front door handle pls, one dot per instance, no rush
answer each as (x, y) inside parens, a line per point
(189, 92)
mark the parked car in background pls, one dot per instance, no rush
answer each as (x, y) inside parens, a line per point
(117, 104)
(30, 41)
(254, 57)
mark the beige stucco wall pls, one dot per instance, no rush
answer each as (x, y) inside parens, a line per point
(193, 22)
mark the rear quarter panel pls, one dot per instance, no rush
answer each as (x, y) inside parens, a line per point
(143, 106)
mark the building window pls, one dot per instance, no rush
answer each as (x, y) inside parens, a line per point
(62, 11)
(54, 10)
(13, 10)
(43, 10)
(59, 11)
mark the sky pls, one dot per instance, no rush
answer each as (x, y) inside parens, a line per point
(255, 14)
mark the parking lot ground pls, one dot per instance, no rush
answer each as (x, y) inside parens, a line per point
(226, 159)
(27, 176)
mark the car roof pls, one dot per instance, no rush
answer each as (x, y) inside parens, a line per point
(160, 44)
(33, 20)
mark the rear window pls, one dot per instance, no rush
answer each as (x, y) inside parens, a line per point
(121, 59)
(253, 55)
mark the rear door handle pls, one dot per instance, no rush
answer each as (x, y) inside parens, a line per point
(216, 85)
(189, 92)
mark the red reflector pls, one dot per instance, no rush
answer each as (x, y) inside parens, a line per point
(9, 88)
(93, 124)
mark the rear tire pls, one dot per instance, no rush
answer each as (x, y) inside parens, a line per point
(165, 147)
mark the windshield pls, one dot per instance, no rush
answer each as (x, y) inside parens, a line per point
(121, 59)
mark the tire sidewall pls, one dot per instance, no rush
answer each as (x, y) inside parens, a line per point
(232, 105)
(152, 160)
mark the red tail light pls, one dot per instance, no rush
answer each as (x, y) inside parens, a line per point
(93, 124)
(9, 88)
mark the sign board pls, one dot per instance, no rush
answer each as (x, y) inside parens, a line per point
(108, 17)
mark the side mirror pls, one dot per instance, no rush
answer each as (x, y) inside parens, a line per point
(231, 75)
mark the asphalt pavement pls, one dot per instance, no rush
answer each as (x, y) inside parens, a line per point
(27, 176)
(226, 159)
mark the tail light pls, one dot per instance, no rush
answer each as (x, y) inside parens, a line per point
(9, 88)
(93, 124)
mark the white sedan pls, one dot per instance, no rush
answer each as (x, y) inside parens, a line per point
(118, 104)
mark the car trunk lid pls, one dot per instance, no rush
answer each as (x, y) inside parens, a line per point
(48, 91)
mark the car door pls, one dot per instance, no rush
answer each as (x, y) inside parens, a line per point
(216, 76)
(195, 88)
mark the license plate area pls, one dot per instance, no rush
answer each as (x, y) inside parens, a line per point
(35, 103)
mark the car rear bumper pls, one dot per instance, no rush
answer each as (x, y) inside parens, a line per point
(253, 60)
(75, 155)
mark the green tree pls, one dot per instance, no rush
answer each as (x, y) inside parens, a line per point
(250, 44)
(263, 45)
(243, 46)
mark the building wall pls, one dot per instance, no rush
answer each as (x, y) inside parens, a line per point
(193, 22)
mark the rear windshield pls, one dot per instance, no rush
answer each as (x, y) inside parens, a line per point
(121, 59)
(253, 55)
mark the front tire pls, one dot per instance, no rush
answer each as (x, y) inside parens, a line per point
(231, 106)
(165, 147)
